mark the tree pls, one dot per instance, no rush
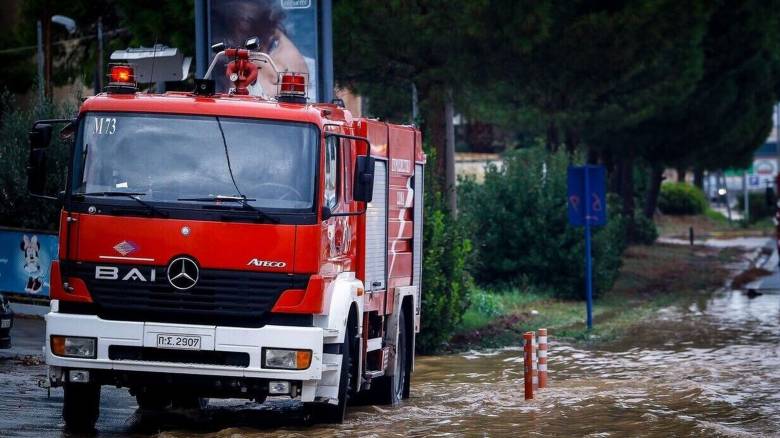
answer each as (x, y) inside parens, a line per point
(728, 114)
(126, 23)
(432, 45)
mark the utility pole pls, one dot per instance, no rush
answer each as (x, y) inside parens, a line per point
(326, 52)
(201, 45)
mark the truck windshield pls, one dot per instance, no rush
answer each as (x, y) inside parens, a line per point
(188, 159)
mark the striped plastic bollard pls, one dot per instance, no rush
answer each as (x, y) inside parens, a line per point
(535, 362)
(528, 339)
(542, 358)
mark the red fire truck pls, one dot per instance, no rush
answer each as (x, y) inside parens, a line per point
(223, 245)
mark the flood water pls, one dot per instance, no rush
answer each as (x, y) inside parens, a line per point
(710, 367)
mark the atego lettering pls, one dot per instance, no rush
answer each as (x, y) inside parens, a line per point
(266, 263)
(134, 274)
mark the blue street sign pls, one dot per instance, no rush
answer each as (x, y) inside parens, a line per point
(587, 207)
(597, 214)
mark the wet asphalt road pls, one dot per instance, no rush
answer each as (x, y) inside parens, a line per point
(707, 367)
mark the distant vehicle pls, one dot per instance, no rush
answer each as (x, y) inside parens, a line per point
(6, 322)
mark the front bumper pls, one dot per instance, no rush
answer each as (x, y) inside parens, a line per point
(214, 338)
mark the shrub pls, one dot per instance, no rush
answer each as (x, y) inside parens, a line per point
(446, 283)
(758, 207)
(17, 208)
(518, 220)
(486, 304)
(645, 231)
(681, 198)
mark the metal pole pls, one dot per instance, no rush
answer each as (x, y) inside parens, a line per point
(326, 75)
(588, 267)
(745, 198)
(39, 32)
(777, 138)
(201, 45)
(100, 68)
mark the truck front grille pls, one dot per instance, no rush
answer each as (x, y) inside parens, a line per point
(203, 357)
(220, 297)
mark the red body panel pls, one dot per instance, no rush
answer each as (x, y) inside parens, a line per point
(326, 248)
(214, 245)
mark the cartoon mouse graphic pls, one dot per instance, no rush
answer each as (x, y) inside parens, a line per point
(31, 248)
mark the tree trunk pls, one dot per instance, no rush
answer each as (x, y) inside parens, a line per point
(627, 193)
(449, 157)
(681, 174)
(656, 178)
(698, 177)
(437, 109)
(552, 136)
(433, 126)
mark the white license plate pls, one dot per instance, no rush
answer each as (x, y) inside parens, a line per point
(180, 342)
(5, 323)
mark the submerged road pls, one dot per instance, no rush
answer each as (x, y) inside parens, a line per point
(710, 367)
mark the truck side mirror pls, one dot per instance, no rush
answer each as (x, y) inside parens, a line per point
(40, 137)
(769, 197)
(363, 188)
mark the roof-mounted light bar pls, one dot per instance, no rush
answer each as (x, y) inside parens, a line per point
(121, 79)
(292, 87)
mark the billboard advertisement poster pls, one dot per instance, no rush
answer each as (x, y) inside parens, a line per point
(25, 261)
(287, 30)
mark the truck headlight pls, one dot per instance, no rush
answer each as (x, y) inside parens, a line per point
(72, 346)
(282, 358)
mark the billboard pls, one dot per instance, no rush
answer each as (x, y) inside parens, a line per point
(287, 30)
(25, 261)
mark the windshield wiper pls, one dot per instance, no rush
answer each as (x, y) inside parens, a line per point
(132, 195)
(243, 200)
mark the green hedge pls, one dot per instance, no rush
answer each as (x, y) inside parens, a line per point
(17, 208)
(519, 225)
(681, 198)
(758, 206)
(446, 283)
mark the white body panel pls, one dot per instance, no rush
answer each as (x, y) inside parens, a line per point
(237, 339)
(376, 231)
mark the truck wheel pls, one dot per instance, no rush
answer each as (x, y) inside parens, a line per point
(81, 406)
(335, 414)
(189, 402)
(152, 400)
(390, 390)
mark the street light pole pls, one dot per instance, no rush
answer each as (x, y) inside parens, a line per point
(99, 82)
(39, 56)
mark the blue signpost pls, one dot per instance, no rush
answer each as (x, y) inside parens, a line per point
(587, 207)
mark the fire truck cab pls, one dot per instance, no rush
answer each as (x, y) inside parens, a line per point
(232, 246)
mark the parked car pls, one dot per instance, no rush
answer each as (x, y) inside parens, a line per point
(6, 322)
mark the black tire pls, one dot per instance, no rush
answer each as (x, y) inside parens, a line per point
(152, 400)
(390, 390)
(158, 400)
(189, 402)
(335, 414)
(81, 406)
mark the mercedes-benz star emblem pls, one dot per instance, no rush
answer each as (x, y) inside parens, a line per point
(183, 273)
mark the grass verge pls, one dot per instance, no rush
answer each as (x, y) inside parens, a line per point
(652, 277)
